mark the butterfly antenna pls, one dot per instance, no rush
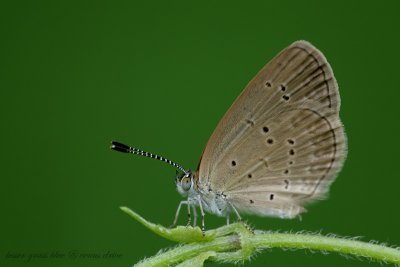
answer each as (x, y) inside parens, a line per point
(117, 146)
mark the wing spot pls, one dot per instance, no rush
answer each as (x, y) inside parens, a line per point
(233, 163)
(271, 197)
(290, 162)
(283, 88)
(250, 122)
(268, 84)
(251, 201)
(270, 141)
(265, 129)
(286, 97)
(290, 141)
(286, 172)
(286, 184)
(291, 152)
(249, 175)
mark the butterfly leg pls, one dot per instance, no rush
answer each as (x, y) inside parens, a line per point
(194, 216)
(237, 213)
(227, 219)
(189, 216)
(240, 219)
(203, 228)
(177, 212)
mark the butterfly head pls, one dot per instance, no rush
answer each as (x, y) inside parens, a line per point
(184, 182)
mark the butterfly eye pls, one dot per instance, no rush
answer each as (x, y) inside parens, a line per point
(186, 183)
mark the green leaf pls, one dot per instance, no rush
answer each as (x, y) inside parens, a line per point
(181, 234)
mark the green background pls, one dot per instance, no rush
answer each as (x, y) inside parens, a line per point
(160, 75)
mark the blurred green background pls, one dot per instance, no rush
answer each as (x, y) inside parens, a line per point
(160, 75)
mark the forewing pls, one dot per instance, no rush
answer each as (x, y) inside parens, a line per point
(281, 143)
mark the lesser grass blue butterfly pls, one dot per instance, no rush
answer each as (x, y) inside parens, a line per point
(279, 146)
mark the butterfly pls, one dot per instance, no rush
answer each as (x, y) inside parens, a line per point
(278, 147)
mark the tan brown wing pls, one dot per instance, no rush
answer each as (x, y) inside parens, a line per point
(282, 136)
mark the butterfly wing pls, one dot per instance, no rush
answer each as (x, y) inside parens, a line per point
(281, 143)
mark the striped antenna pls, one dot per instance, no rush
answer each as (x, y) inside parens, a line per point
(117, 146)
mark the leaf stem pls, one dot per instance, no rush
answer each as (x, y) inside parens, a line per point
(318, 242)
(188, 251)
(236, 243)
